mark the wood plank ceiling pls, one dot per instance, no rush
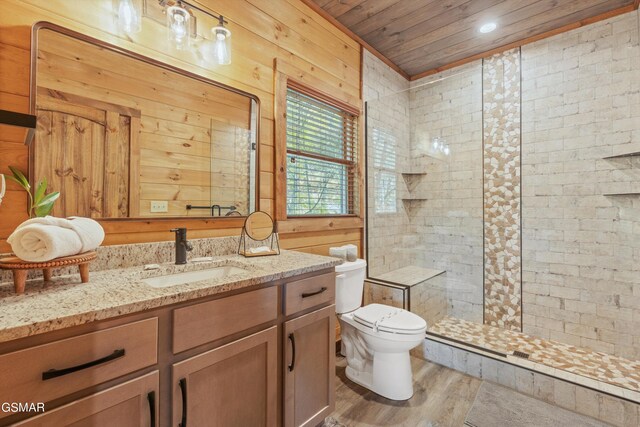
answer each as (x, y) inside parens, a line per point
(423, 35)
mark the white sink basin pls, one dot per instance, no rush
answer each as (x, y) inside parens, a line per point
(192, 276)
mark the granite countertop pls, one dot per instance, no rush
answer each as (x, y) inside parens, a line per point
(65, 302)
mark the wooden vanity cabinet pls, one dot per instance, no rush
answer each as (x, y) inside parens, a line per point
(309, 368)
(227, 360)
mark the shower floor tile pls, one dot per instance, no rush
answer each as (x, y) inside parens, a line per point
(410, 275)
(598, 366)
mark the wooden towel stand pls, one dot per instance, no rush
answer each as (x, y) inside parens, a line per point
(20, 268)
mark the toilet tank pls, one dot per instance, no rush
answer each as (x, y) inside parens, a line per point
(350, 285)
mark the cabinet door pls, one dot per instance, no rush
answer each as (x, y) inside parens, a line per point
(132, 404)
(233, 385)
(309, 369)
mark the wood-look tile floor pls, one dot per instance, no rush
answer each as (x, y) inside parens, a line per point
(442, 397)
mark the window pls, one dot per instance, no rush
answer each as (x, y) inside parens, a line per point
(384, 164)
(321, 157)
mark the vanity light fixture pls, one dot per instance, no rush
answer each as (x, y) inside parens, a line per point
(182, 29)
(130, 16)
(488, 27)
(179, 25)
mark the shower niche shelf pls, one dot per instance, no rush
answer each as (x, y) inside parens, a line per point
(412, 206)
(414, 169)
(412, 182)
(621, 194)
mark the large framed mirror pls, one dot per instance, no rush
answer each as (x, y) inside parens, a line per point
(121, 135)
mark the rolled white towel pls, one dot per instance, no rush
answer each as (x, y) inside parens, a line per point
(43, 239)
(91, 232)
(338, 253)
(352, 252)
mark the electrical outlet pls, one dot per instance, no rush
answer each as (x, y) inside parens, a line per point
(158, 206)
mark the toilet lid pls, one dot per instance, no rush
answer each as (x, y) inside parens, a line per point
(389, 319)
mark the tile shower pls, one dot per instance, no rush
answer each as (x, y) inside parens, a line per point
(530, 224)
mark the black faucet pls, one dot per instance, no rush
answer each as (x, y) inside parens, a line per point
(182, 245)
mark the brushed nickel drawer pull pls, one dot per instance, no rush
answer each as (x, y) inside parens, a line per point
(310, 294)
(54, 373)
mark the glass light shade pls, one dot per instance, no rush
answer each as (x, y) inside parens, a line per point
(221, 45)
(446, 150)
(178, 26)
(130, 16)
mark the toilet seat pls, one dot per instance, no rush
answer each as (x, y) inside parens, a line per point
(384, 318)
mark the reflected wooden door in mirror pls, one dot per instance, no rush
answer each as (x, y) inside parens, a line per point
(140, 139)
(84, 148)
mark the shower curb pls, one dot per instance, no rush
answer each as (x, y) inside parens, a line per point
(500, 369)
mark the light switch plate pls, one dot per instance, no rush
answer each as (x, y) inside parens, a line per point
(159, 206)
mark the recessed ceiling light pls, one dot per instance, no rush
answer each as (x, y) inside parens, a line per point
(488, 27)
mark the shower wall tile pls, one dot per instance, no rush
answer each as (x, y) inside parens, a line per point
(448, 225)
(430, 300)
(388, 233)
(524, 381)
(380, 294)
(438, 223)
(581, 259)
(501, 149)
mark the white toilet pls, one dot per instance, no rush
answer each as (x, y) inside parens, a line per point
(376, 338)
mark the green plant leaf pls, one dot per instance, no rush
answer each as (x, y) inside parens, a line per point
(43, 210)
(13, 178)
(48, 199)
(41, 188)
(20, 178)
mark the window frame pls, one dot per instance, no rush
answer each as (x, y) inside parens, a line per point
(335, 221)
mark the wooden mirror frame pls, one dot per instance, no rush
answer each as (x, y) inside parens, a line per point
(146, 223)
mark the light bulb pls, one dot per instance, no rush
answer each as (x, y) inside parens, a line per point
(221, 45)
(436, 143)
(488, 27)
(178, 28)
(222, 53)
(129, 17)
(446, 150)
(178, 23)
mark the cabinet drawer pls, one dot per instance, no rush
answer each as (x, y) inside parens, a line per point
(131, 404)
(208, 321)
(310, 292)
(53, 370)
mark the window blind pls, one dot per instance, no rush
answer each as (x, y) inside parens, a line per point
(321, 157)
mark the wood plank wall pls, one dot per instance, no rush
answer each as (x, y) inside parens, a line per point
(286, 30)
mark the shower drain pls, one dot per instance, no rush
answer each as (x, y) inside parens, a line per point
(521, 354)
